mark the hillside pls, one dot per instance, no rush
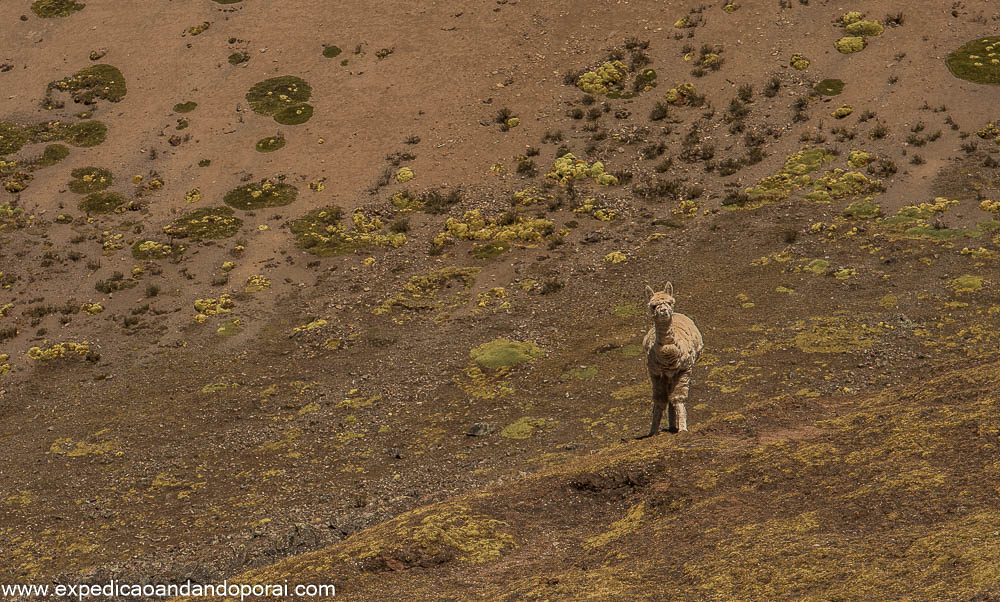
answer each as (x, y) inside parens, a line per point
(356, 295)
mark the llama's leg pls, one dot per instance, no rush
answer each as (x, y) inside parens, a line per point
(660, 397)
(679, 395)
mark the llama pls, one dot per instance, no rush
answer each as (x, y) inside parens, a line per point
(672, 348)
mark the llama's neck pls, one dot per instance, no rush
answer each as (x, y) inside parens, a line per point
(664, 335)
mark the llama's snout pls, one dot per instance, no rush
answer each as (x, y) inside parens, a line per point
(663, 311)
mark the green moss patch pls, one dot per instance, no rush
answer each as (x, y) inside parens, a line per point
(283, 98)
(977, 61)
(101, 202)
(185, 107)
(266, 193)
(85, 133)
(794, 175)
(833, 335)
(294, 115)
(967, 284)
(830, 87)
(865, 209)
(320, 232)
(331, 51)
(12, 137)
(238, 58)
(52, 154)
(90, 179)
(270, 144)
(207, 223)
(48, 9)
(522, 428)
(88, 85)
(504, 353)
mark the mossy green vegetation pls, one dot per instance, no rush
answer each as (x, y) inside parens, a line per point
(833, 335)
(238, 57)
(977, 61)
(799, 62)
(864, 209)
(794, 175)
(423, 293)
(12, 137)
(88, 85)
(205, 223)
(967, 283)
(568, 167)
(101, 202)
(48, 9)
(330, 51)
(504, 353)
(837, 184)
(185, 107)
(52, 154)
(321, 233)
(830, 87)
(850, 44)
(65, 349)
(84, 133)
(284, 98)
(271, 143)
(90, 179)
(522, 428)
(266, 193)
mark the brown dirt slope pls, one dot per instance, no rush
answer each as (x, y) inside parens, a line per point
(237, 336)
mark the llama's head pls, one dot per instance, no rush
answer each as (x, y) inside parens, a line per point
(661, 303)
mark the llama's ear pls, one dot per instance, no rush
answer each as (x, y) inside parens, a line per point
(669, 289)
(649, 290)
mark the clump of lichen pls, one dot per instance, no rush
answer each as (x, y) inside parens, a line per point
(607, 77)
(150, 249)
(567, 168)
(863, 209)
(284, 98)
(833, 335)
(198, 29)
(271, 143)
(842, 112)
(205, 223)
(864, 28)
(88, 85)
(256, 283)
(65, 349)
(101, 202)
(977, 61)
(683, 95)
(213, 306)
(799, 62)
(405, 174)
(90, 179)
(320, 232)
(499, 232)
(185, 107)
(266, 193)
(967, 284)
(55, 8)
(330, 51)
(850, 44)
(858, 159)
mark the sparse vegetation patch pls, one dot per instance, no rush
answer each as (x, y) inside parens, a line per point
(266, 193)
(977, 61)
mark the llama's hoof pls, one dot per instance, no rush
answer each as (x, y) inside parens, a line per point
(646, 436)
